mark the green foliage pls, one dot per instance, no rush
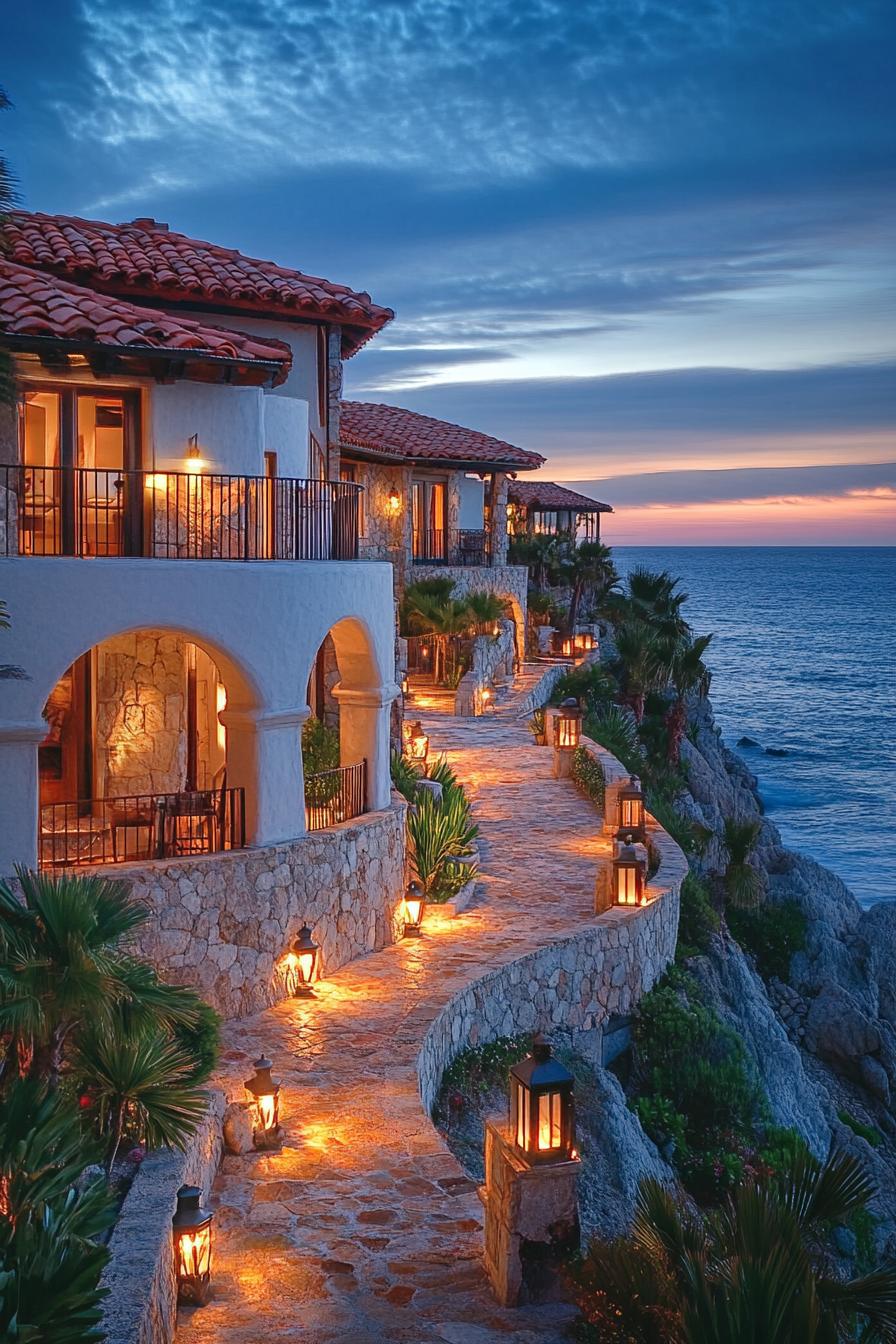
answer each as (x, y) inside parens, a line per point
(662, 1122)
(50, 1264)
(200, 1042)
(866, 1132)
(688, 835)
(754, 1270)
(697, 921)
(320, 756)
(688, 1058)
(480, 1068)
(781, 1148)
(615, 729)
(405, 776)
(590, 684)
(744, 886)
(536, 724)
(440, 832)
(773, 934)
(588, 775)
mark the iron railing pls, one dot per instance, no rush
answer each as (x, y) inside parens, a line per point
(138, 827)
(175, 515)
(472, 547)
(429, 546)
(336, 795)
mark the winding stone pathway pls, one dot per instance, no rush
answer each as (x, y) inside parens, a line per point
(364, 1229)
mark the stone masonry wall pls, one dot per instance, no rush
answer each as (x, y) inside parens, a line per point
(222, 922)
(140, 714)
(141, 1306)
(507, 581)
(572, 987)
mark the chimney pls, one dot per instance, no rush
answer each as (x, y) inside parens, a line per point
(149, 225)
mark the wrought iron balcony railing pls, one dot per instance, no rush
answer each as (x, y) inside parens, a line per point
(134, 828)
(172, 515)
(336, 795)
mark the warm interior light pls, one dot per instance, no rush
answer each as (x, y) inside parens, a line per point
(264, 1100)
(191, 1230)
(301, 963)
(195, 1252)
(549, 1121)
(394, 500)
(414, 907)
(194, 462)
(156, 480)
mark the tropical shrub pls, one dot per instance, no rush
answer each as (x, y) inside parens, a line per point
(588, 775)
(866, 1132)
(615, 729)
(320, 755)
(405, 776)
(743, 884)
(536, 725)
(772, 934)
(697, 921)
(440, 833)
(754, 1270)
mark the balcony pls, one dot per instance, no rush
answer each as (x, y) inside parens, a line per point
(170, 515)
(440, 547)
(134, 828)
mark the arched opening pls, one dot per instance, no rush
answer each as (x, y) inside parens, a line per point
(342, 751)
(134, 763)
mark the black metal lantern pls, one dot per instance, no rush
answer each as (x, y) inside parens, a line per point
(631, 810)
(192, 1231)
(414, 908)
(568, 647)
(418, 743)
(568, 725)
(264, 1100)
(542, 1107)
(302, 963)
(628, 875)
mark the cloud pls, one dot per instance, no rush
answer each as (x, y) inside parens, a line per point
(847, 481)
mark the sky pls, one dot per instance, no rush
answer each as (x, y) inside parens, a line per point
(652, 240)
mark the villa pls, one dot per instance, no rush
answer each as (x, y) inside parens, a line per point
(542, 508)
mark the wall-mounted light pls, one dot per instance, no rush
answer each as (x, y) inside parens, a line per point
(414, 907)
(194, 461)
(394, 500)
(192, 1230)
(302, 964)
(405, 684)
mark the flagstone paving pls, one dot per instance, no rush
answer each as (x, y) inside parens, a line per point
(363, 1228)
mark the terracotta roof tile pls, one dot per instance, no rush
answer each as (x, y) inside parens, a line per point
(145, 259)
(38, 306)
(548, 495)
(389, 429)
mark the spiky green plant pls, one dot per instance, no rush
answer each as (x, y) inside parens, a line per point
(405, 776)
(64, 962)
(485, 609)
(755, 1270)
(588, 567)
(742, 882)
(689, 676)
(139, 1082)
(615, 729)
(439, 832)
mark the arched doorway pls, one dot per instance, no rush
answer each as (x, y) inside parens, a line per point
(133, 765)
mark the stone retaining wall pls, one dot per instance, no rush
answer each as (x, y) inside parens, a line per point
(570, 987)
(222, 922)
(141, 1306)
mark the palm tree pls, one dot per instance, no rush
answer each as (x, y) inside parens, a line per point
(654, 599)
(752, 1272)
(485, 609)
(542, 553)
(589, 566)
(689, 675)
(64, 963)
(641, 654)
(742, 883)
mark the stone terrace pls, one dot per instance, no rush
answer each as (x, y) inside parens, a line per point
(364, 1228)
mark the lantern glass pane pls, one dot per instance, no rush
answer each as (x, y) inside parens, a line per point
(267, 1111)
(566, 732)
(627, 888)
(522, 1116)
(548, 1121)
(414, 906)
(305, 967)
(195, 1252)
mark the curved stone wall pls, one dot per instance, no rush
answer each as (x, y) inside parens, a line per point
(569, 987)
(221, 922)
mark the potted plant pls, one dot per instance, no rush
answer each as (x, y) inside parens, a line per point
(537, 728)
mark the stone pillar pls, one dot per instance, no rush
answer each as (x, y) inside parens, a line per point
(452, 519)
(264, 756)
(364, 723)
(19, 794)
(524, 1207)
(603, 887)
(563, 761)
(611, 804)
(498, 519)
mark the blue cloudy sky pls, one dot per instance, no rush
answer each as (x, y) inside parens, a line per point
(653, 240)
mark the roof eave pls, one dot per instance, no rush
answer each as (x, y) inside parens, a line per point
(275, 372)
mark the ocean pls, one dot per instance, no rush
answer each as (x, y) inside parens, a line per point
(804, 661)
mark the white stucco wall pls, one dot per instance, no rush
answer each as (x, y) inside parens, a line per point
(235, 425)
(261, 622)
(472, 498)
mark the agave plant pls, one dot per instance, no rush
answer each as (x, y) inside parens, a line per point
(615, 729)
(64, 962)
(439, 833)
(754, 1270)
(405, 776)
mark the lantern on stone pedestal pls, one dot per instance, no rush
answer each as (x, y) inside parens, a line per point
(417, 743)
(414, 908)
(568, 725)
(264, 1102)
(302, 964)
(192, 1231)
(631, 810)
(629, 870)
(542, 1107)
(568, 647)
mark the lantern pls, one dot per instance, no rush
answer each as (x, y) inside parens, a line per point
(192, 1230)
(584, 641)
(486, 697)
(628, 875)
(405, 684)
(568, 725)
(394, 500)
(631, 810)
(414, 907)
(542, 1107)
(418, 743)
(264, 1101)
(301, 963)
(194, 462)
(567, 647)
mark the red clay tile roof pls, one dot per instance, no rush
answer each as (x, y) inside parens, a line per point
(146, 260)
(406, 434)
(547, 495)
(36, 308)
